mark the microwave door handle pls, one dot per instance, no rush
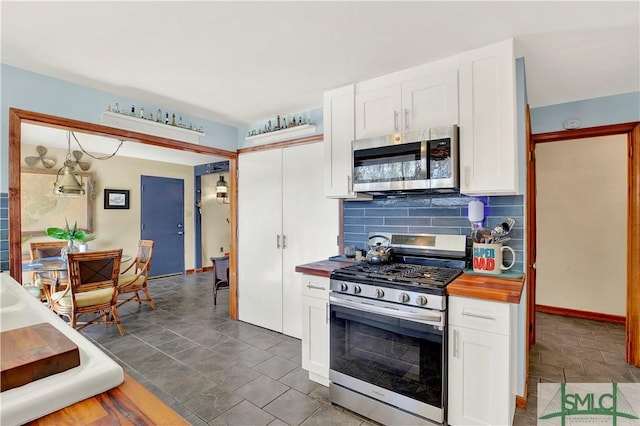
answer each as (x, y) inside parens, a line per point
(395, 121)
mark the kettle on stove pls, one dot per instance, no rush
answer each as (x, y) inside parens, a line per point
(378, 253)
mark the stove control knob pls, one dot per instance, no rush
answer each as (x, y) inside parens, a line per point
(356, 289)
(344, 287)
(379, 293)
(404, 297)
(422, 300)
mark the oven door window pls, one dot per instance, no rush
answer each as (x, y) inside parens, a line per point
(405, 162)
(402, 356)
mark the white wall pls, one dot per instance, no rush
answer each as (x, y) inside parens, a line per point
(582, 224)
(215, 220)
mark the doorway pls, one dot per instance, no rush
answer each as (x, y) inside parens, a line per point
(581, 203)
(17, 117)
(631, 132)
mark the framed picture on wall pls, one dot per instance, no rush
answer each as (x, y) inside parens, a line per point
(116, 198)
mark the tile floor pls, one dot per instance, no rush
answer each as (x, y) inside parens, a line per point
(574, 350)
(212, 370)
(217, 371)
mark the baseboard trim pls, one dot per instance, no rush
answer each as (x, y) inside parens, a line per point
(521, 402)
(198, 270)
(597, 316)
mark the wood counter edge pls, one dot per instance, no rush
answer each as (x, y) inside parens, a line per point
(128, 403)
(322, 268)
(497, 289)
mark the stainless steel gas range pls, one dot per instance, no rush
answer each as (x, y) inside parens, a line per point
(388, 330)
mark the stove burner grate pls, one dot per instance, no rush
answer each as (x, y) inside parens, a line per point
(405, 273)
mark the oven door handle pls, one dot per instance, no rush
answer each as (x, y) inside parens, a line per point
(435, 319)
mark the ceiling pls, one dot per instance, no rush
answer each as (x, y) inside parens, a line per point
(241, 63)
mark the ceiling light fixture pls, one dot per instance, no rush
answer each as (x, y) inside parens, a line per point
(68, 185)
(222, 191)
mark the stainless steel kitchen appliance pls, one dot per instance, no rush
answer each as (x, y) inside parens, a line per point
(388, 330)
(424, 160)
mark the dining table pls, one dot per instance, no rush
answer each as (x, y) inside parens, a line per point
(54, 267)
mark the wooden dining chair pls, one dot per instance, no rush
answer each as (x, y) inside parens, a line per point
(40, 249)
(220, 274)
(131, 284)
(92, 289)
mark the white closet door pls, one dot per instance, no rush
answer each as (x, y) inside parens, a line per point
(259, 233)
(310, 225)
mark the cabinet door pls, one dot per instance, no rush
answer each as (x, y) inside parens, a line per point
(259, 234)
(315, 337)
(310, 224)
(479, 382)
(378, 112)
(339, 131)
(430, 101)
(488, 139)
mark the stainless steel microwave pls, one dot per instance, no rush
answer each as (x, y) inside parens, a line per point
(425, 160)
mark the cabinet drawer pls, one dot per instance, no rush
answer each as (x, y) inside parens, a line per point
(479, 314)
(315, 286)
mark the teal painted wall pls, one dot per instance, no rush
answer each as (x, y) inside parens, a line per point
(603, 111)
(36, 92)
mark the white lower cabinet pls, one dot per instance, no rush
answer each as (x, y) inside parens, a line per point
(481, 388)
(315, 328)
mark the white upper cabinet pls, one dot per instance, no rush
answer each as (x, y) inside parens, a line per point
(339, 131)
(378, 112)
(475, 90)
(488, 138)
(416, 104)
(430, 101)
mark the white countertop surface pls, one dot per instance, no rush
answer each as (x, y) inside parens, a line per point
(96, 373)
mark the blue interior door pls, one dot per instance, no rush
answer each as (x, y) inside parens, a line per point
(162, 220)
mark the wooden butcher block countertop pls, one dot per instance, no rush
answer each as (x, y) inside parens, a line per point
(127, 404)
(322, 268)
(487, 287)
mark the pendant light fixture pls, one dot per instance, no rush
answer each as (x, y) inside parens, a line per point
(222, 191)
(68, 185)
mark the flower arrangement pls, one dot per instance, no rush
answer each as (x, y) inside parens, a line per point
(70, 234)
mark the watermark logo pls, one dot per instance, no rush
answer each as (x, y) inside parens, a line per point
(564, 404)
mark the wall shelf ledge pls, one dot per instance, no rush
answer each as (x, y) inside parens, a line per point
(135, 124)
(279, 135)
